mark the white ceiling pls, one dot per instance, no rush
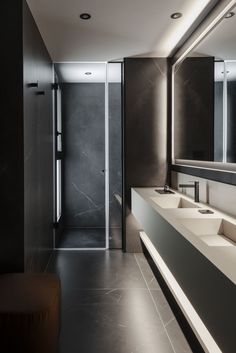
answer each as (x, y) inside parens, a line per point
(221, 43)
(76, 72)
(117, 29)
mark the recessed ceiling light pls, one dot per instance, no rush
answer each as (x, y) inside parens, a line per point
(88, 73)
(85, 16)
(230, 14)
(176, 15)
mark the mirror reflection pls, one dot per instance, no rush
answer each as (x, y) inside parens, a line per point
(205, 98)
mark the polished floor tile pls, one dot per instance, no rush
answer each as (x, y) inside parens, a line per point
(97, 269)
(118, 321)
(177, 337)
(77, 238)
(162, 306)
(111, 302)
(173, 330)
(147, 272)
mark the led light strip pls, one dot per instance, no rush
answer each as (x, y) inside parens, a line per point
(79, 249)
(225, 113)
(54, 160)
(207, 341)
(204, 33)
(107, 158)
(80, 62)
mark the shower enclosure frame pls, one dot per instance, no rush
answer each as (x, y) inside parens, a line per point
(57, 187)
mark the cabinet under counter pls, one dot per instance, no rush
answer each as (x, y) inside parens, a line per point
(199, 275)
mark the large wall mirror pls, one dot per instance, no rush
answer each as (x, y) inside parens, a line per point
(204, 98)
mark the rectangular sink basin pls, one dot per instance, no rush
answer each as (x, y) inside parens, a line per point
(173, 202)
(214, 232)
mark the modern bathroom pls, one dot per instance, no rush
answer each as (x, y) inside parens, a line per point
(118, 175)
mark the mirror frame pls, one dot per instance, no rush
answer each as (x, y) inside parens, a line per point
(222, 172)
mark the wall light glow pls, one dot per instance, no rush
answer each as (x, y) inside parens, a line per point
(191, 10)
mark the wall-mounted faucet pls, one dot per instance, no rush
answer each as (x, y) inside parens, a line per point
(195, 185)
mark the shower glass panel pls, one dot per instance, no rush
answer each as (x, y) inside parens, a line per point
(91, 157)
(115, 154)
(58, 149)
(84, 171)
(225, 111)
(218, 111)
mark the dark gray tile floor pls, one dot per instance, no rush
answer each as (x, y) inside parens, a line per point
(77, 238)
(112, 303)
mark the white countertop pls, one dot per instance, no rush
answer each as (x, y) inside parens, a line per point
(222, 256)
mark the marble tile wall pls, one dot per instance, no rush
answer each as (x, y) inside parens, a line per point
(145, 133)
(83, 112)
(83, 163)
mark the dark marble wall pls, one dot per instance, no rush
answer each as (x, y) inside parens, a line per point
(115, 165)
(218, 122)
(83, 114)
(231, 122)
(38, 148)
(145, 134)
(194, 109)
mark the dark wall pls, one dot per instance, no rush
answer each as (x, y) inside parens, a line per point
(218, 122)
(145, 134)
(194, 109)
(38, 148)
(11, 142)
(115, 165)
(26, 144)
(231, 122)
(83, 125)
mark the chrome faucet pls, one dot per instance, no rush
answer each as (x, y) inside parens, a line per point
(195, 185)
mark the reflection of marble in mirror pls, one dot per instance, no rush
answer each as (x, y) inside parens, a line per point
(205, 98)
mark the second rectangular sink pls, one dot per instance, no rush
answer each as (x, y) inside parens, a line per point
(173, 202)
(214, 231)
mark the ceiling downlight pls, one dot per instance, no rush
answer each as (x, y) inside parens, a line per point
(85, 16)
(176, 15)
(230, 14)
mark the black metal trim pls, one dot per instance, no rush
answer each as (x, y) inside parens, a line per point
(33, 85)
(58, 230)
(123, 157)
(221, 176)
(169, 120)
(55, 86)
(59, 155)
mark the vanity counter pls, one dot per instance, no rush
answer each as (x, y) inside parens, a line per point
(196, 255)
(221, 254)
